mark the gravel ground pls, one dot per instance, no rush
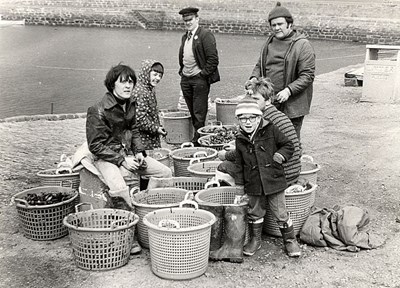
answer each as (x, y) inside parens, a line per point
(356, 143)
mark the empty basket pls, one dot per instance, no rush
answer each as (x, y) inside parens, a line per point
(152, 199)
(179, 241)
(101, 238)
(50, 178)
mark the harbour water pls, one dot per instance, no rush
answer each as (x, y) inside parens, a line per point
(47, 69)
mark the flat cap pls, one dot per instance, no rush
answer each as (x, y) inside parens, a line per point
(189, 11)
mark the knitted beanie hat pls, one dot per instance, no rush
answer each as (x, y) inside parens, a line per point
(247, 106)
(278, 11)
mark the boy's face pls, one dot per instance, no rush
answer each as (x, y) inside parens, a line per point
(249, 122)
(123, 88)
(260, 100)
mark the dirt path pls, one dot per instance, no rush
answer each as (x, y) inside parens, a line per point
(355, 143)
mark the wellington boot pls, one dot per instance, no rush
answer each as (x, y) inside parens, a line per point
(234, 229)
(255, 241)
(217, 227)
(121, 199)
(290, 241)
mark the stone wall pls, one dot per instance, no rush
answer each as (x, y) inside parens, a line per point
(365, 21)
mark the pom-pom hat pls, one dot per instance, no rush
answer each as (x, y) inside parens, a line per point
(247, 106)
(278, 11)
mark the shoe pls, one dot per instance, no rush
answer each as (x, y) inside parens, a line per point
(289, 240)
(136, 248)
(255, 241)
(234, 228)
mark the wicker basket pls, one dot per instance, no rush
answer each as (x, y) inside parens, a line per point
(179, 241)
(101, 239)
(193, 184)
(205, 141)
(162, 155)
(203, 169)
(220, 196)
(203, 131)
(181, 157)
(50, 178)
(44, 222)
(149, 200)
(299, 208)
(309, 171)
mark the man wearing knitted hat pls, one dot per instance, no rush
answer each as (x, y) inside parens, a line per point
(288, 59)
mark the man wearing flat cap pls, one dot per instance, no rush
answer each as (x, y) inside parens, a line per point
(198, 61)
(288, 59)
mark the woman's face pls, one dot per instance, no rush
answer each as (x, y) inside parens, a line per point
(155, 78)
(123, 88)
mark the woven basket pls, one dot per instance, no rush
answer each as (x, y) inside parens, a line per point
(181, 158)
(149, 200)
(179, 249)
(193, 184)
(50, 178)
(298, 206)
(203, 169)
(223, 196)
(206, 130)
(204, 141)
(44, 222)
(162, 155)
(309, 171)
(101, 239)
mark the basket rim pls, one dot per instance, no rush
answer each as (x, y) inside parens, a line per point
(54, 175)
(196, 149)
(156, 191)
(317, 168)
(190, 168)
(199, 193)
(88, 229)
(186, 115)
(222, 101)
(305, 192)
(200, 130)
(66, 189)
(209, 223)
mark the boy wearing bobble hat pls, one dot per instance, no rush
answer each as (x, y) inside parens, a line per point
(261, 149)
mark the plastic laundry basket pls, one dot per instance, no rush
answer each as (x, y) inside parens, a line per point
(299, 208)
(50, 178)
(179, 241)
(44, 222)
(101, 238)
(206, 170)
(162, 155)
(152, 199)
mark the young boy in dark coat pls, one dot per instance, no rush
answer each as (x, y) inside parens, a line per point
(261, 150)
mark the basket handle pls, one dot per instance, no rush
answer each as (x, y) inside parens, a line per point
(22, 201)
(114, 224)
(169, 223)
(211, 183)
(189, 202)
(307, 158)
(228, 147)
(133, 191)
(187, 144)
(199, 153)
(194, 160)
(81, 204)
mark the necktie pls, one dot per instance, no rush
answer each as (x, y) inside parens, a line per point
(189, 35)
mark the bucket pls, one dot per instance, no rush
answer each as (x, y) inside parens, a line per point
(179, 127)
(225, 110)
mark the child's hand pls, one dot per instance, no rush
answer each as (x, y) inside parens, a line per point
(278, 158)
(221, 155)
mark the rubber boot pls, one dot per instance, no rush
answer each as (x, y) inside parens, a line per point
(121, 199)
(289, 240)
(217, 227)
(143, 183)
(255, 241)
(234, 229)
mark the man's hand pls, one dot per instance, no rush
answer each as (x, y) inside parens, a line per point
(139, 158)
(161, 131)
(130, 164)
(283, 95)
